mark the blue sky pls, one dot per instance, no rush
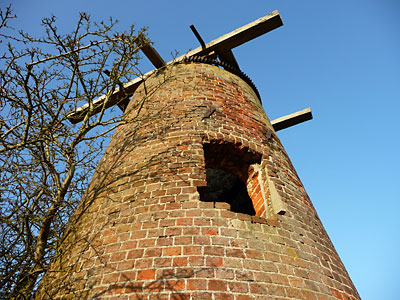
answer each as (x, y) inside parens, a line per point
(342, 59)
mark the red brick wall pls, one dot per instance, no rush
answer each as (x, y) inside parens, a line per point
(141, 231)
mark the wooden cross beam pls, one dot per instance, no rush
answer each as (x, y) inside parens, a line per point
(222, 46)
(153, 56)
(292, 119)
(241, 35)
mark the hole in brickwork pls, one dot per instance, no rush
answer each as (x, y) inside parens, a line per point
(227, 169)
(223, 186)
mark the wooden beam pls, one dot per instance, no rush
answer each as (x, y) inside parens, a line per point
(153, 56)
(198, 36)
(223, 45)
(240, 35)
(228, 57)
(114, 99)
(292, 119)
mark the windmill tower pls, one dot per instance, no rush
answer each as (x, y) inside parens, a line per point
(196, 198)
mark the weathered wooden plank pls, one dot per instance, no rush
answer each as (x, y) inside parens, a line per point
(240, 35)
(153, 56)
(97, 105)
(223, 45)
(292, 119)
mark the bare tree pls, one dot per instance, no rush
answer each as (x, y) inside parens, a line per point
(46, 161)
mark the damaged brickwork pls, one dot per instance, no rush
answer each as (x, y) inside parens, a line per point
(147, 228)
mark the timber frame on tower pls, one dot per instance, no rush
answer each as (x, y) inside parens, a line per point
(221, 47)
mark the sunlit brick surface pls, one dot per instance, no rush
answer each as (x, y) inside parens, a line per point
(141, 231)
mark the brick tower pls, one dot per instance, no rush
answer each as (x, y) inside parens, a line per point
(196, 198)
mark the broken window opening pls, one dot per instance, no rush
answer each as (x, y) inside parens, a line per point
(227, 169)
(223, 186)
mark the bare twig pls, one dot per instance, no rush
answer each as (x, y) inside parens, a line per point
(46, 162)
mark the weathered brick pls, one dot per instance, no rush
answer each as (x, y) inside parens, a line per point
(214, 250)
(180, 261)
(150, 234)
(234, 253)
(146, 243)
(201, 240)
(110, 278)
(162, 262)
(183, 240)
(244, 297)
(146, 274)
(136, 253)
(196, 260)
(129, 245)
(172, 251)
(153, 252)
(125, 265)
(238, 287)
(223, 296)
(165, 241)
(176, 285)
(217, 285)
(209, 231)
(205, 273)
(214, 261)
(224, 273)
(127, 276)
(222, 205)
(143, 263)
